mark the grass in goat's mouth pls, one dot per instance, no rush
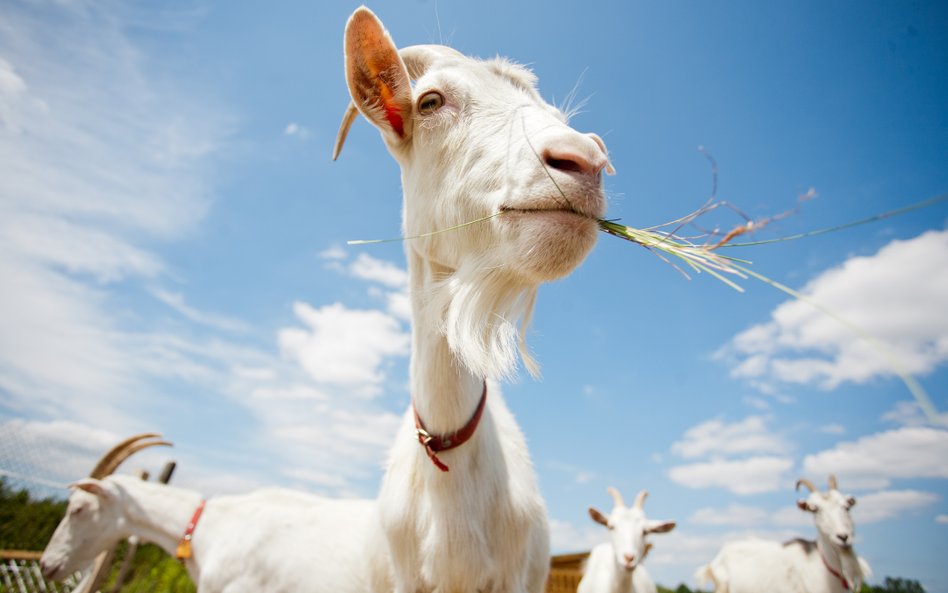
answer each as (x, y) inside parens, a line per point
(685, 254)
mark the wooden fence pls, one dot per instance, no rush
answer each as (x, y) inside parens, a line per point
(565, 572)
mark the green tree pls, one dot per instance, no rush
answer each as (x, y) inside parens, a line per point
(895, 585)
(25, 523)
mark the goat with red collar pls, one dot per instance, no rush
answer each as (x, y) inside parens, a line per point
(827, 565)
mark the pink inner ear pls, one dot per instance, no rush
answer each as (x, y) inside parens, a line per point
(394, 116)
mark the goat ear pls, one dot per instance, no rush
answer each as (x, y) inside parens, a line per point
(90, 485)
(598, 517)
(805, 506)
(660, 526)
(377, 77)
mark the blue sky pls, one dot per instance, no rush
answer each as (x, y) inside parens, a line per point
(173, 254)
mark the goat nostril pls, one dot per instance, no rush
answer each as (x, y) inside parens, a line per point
(570, 162)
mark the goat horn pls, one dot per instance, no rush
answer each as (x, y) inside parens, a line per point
(832, 482)
(351, 114)
(122, 451)
(616, 497)
(806, 483)
(640, 499)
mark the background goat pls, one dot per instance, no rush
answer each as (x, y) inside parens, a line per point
(269, 540)
(828, 565)
(474, 139)
(616, 566)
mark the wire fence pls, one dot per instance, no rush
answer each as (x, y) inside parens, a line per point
(20, 573)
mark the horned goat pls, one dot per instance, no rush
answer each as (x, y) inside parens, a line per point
(828, 565)
(616, 566)
(263, 541)
(474, 140)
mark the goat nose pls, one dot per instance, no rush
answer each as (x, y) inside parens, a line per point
(843, 537)
(629, 558)
(578, 155)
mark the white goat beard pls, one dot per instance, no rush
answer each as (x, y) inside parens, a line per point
(485, 313)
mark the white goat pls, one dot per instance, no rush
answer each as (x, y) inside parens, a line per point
(616, 566)
(828, 565)
(267, 540)
(474, 139)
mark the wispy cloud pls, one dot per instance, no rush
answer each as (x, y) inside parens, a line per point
(896, 295)
(296, 130)
(176, 301)
(909, 413)
(100, 157)
(889, 504)
(745, 457)
(716, 437)
(752, 475)
(104, 160)
(876, 460)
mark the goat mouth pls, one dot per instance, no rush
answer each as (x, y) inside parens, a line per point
(51, 572)
(557, 210)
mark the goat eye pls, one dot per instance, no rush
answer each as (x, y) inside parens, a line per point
(430, 102)
(851, 502)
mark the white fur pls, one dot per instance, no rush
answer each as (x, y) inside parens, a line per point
(616, 566)
(602, 574)
(279, 541)
(482, 526)
(754, 565)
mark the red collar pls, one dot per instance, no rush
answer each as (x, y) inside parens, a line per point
(184, 544)
(434, 444)
(842, 579)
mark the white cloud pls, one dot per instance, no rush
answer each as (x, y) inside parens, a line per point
(101, 158)
(399, 305)
(909, 413)
(177, 302)
(686, 550)
(889, 504)
(716, 437)
(733, 515)
(343, 346)
(294, 129)
(876, 460)
(744, 476)
(369, 268)
(833, 429)
(60, 452)
(333, 253)
(941, 519)
(896, 295)
(567, 537)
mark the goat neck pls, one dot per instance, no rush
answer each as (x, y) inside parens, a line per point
(445, 392)
(159, 513)
(843, 562)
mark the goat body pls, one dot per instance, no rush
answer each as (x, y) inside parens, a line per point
(616, 566)
(754, 565)
(474, 140)
(828, 565)
(273, 540)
